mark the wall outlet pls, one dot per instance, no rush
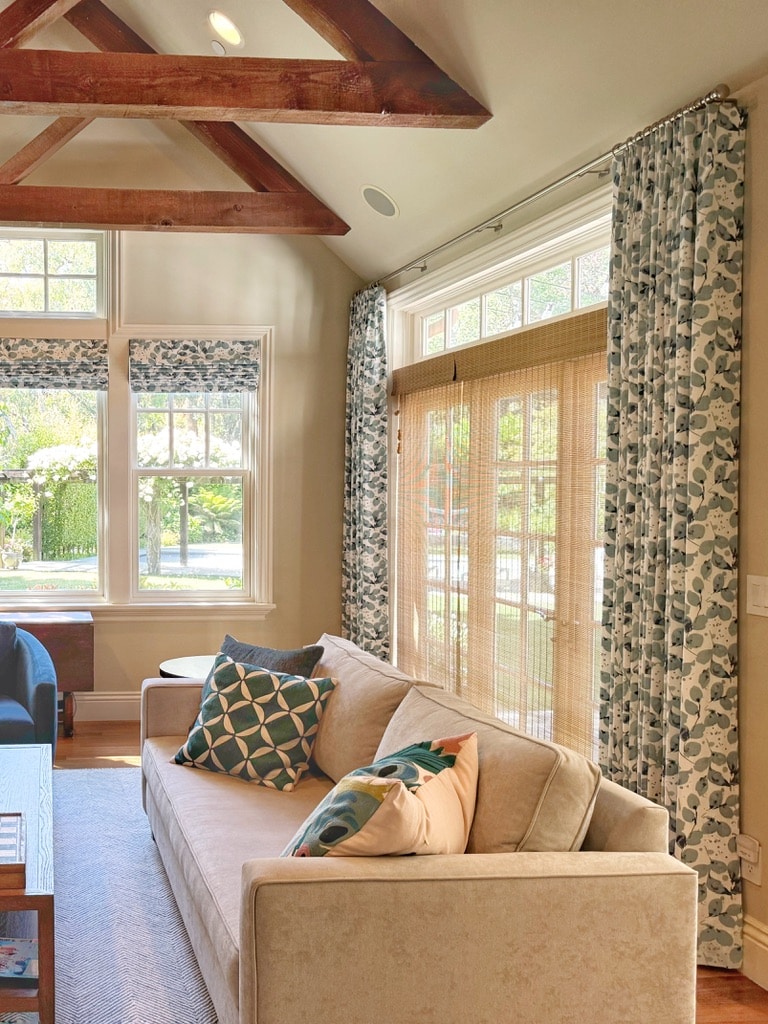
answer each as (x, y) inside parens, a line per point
(750, 854)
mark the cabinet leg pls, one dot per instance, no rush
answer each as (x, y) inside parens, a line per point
(68, 714)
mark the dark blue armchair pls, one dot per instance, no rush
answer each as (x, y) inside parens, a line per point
(28, 698)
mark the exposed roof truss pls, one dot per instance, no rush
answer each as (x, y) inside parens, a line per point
(383, 80)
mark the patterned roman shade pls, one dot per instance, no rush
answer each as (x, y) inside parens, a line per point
(194, 365)
(72, 363)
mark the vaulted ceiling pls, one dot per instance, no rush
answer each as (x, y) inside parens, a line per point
(117, 112)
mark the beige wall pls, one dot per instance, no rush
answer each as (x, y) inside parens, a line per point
(753, 631)
(300, 289)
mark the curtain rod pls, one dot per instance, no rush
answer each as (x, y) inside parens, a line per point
(716, 95)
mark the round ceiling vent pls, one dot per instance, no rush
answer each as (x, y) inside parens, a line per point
(379, 201)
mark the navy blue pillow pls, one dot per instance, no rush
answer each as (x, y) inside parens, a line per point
(299, 662)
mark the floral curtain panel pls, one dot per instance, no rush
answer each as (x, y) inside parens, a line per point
(74, 363)
(669, 689)
(365, 590)
(185, 365)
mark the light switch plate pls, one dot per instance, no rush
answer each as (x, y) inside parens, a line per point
(757, 595)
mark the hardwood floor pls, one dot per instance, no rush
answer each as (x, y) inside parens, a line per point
(723, 997)
(99, 745)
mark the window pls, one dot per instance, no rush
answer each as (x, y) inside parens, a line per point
(576, 283)
(498, 462)
(50, 463)
(192, 486)
(49, 490)
(52, 274)
(194, 480)
(499, 513)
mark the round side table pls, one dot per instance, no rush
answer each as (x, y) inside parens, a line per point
(196, 666)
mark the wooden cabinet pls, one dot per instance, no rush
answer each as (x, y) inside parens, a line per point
(68, 638)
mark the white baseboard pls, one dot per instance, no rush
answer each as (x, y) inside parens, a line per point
(107, 707)
(755, 965)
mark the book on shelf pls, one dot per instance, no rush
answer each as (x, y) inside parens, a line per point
(18, 963)
(13, 873)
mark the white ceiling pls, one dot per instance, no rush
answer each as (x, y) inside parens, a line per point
(564, 82)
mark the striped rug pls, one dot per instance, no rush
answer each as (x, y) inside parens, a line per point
(122, 954)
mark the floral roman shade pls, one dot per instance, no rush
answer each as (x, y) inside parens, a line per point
(194, 365)
(78, 364)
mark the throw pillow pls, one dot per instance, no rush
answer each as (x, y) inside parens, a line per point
(298, 662)
(257, 725)
(419, 800)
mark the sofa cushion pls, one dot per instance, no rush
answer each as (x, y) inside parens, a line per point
(190, 812)
(531, 794)
(257, 725)
(368, 690)
(298, 662)
(418, 800)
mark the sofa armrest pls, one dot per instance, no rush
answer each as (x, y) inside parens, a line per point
(169, 706)
(564, 938)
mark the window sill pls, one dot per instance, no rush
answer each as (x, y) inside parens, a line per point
(167, 611)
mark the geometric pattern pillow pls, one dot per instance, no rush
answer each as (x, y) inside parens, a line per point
(255, 724)
(419, 800)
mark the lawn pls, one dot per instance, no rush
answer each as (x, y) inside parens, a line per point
(32, 581)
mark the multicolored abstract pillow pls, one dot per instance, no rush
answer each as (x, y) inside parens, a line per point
(419, 800)
(257, 725)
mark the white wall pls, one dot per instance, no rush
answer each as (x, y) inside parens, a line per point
(300, 289)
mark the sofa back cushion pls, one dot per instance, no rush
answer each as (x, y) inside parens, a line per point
(532, 795)
(368, 691)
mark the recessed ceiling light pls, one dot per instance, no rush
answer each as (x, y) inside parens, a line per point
(225, 28)
(218, 48)
(379, 201)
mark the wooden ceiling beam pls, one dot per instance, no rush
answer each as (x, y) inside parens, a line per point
(357, 30)
(168, 210)
(104, 29)
(228, 141)
(43, 146)
(381, 93)
(22, 19)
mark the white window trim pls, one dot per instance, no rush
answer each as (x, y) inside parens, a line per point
(259, 517)
(572, 231)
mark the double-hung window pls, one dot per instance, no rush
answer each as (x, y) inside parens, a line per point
(193, 475)
(51, 510)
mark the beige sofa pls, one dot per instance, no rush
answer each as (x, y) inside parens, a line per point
(565, 907)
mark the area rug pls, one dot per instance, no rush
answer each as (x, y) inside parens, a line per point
(122, 954)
